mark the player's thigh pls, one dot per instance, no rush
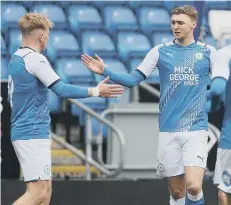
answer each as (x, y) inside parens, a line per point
(223, 198)
(195, 152)
(195, 149)
(44, 186)
(225, 170)
(229, 198)
(35, 158)
(169, 159)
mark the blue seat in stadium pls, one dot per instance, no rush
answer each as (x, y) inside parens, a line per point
(162, 38)
(10, 14)
(137, 4)
(131, 44)
(4, 73)
(65, 4)
(54, 103)
(113, 65)
(99, 43)
(216, 5)
(205, 23)
(96, 103)
(227, 41)
(102, 4)
(54, 12)
(62, 44)
(211, 41)
(154, 19)
(84, 17)
(15, 38)
(3, 46)
(74, 72)
(153, 78)
(27, 4)
(96, 126)
(119, 18)
(169, 5)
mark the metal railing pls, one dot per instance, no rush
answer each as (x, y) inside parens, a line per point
(88, 157)
(135, 91)
(153, 91)
(121, 111)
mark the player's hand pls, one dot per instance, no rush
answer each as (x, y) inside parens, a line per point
(109, 90)
(96, 65)
(215, 95)
(218, 86)
(213, 102)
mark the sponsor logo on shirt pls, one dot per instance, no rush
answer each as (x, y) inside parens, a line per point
(199, 56)
(186, 74)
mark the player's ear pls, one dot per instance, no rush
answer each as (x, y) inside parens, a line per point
(41, 37)
(194, 24)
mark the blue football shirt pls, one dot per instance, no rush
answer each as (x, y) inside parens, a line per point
(184, 76)
(29, 76)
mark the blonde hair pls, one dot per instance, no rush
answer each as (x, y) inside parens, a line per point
(190, 11)
(32, 21)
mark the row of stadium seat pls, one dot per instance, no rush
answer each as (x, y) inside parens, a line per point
(127, 45)
(87, 17)
(169, 5)
(79, 17)
(73, 71)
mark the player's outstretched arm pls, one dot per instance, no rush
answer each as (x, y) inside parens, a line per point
(41, 69)
(220, 71)
(71, 91)
(220, 76)
(97, 65)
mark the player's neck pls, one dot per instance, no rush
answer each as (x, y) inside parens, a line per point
(26, 43)
(186, 41)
